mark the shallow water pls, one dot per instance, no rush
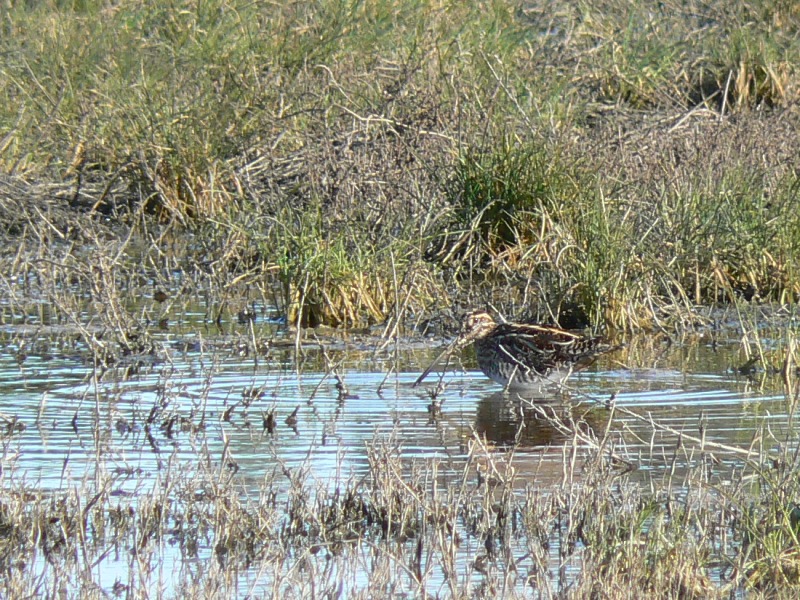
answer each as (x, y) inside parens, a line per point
(65, 424)
(59, 402)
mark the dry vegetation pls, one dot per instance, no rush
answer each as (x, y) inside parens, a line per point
(608, 164)
(357, 162)
(718, 522)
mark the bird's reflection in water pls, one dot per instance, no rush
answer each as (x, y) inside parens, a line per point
(529, 421)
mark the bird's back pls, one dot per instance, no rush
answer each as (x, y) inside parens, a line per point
(531, 353)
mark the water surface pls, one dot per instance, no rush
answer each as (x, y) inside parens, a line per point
(68, 422)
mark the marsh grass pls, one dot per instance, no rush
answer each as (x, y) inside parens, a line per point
(363, 161)
(389, 163)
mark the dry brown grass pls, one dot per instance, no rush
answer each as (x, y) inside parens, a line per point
(384, 160)
(387, 164)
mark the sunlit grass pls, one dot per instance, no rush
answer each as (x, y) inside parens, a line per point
(384, 165)
(613, 158)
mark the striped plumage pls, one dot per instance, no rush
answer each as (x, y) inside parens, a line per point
(519, 355)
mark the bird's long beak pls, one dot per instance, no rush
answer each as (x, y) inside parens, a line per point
(446, 352)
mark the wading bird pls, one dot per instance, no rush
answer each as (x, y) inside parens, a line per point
(520, 355)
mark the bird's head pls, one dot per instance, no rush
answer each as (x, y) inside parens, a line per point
(476, 325)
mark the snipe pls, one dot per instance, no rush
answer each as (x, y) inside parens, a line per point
(519, 355)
